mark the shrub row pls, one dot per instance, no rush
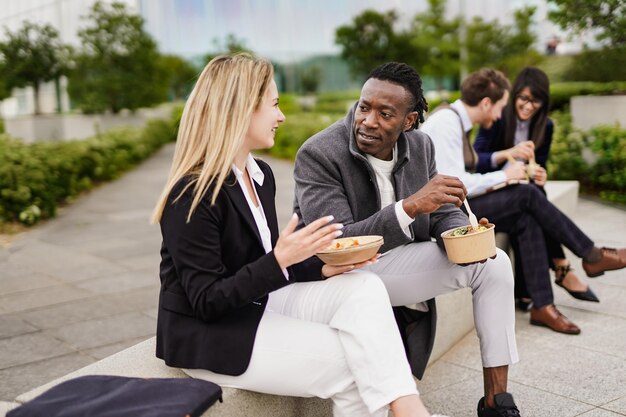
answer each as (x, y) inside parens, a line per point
(36, 178)
(296, 129)
(596, 158)
(560, 93)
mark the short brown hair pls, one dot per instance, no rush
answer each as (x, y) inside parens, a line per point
(486, 82)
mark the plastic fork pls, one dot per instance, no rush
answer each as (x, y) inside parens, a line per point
(472, 217)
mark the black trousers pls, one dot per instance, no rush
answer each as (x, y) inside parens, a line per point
(524, 212)
(555, 251)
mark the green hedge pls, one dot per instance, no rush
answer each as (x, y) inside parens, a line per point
(336, 101)
(296, 129)
(560, 93)
(289, 104)
(36, 178)
(596, 158)
(452, 96)
(601, 65)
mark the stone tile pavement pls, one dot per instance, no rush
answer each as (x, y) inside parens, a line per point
(84, 285)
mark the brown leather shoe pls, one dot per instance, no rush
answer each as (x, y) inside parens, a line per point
(611, 259)
(549, 316)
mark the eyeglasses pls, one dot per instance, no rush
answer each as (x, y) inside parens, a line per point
(524, 99)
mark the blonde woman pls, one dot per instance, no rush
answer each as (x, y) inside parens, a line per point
(244, 307)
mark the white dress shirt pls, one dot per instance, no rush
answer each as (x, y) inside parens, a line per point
(256, 175)
(445, 130)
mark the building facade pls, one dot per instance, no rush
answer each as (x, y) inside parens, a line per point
(287, 31)
(66, 16)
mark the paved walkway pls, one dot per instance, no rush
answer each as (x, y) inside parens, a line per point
(84, 285)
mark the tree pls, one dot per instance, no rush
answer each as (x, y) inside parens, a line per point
(310, 79)
(230, 45)
(180, 74)
(31, 56)
(507, 48)
(4, 90)
(432, 44)
(606, 17)
(119, 65)
(607, 20)
(371, 40)
(438, 39)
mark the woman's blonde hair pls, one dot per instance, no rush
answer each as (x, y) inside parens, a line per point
(214, 124)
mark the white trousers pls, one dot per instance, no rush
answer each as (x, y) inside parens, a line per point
(420, 271)
(333, 339)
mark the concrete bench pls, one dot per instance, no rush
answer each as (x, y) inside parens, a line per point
(455, 321)
(5, 407)
(140, 361)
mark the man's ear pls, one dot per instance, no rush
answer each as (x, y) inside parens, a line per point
(486, 103)
(409, 121)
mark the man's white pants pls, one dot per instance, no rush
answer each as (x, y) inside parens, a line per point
(333, 339)
(420, 271)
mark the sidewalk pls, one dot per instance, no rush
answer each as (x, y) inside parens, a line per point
(84, 285)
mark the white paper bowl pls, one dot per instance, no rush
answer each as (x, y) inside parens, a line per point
(347, 255)
(472, 247)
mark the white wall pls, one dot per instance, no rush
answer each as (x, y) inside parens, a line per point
(590, 111)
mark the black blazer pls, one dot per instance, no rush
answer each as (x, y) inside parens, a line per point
(216, 277)
(491, 140)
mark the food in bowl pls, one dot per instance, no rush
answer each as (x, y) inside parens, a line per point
(465, 245)
(466, 230)
(351, 250)
(343, 243)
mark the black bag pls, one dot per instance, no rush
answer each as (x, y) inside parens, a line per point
(116, 396)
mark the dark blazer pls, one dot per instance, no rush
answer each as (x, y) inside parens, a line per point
(491, 140)
(216, 277)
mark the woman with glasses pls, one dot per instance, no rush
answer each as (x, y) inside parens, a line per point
(524, 133)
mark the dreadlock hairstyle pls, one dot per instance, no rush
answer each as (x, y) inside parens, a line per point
(405, 76)
(539, 85)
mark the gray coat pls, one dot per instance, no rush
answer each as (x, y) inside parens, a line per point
(334, 177)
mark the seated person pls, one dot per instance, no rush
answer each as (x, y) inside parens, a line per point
(521, 210)
(525, 133)
(244, 307)
(377, 176)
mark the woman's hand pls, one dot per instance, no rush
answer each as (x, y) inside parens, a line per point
(330, 270)
(296, 246)
(524, 151)
(515, 170)
(541, 176)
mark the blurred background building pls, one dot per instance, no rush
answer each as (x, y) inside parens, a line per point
(286, 31)
(65, 16)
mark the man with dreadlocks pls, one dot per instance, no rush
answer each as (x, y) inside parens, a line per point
(375, 173)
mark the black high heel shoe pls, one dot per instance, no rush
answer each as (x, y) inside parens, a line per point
(560, 272)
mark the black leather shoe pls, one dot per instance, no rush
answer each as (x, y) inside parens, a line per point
(505, 407)
(559, 274)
